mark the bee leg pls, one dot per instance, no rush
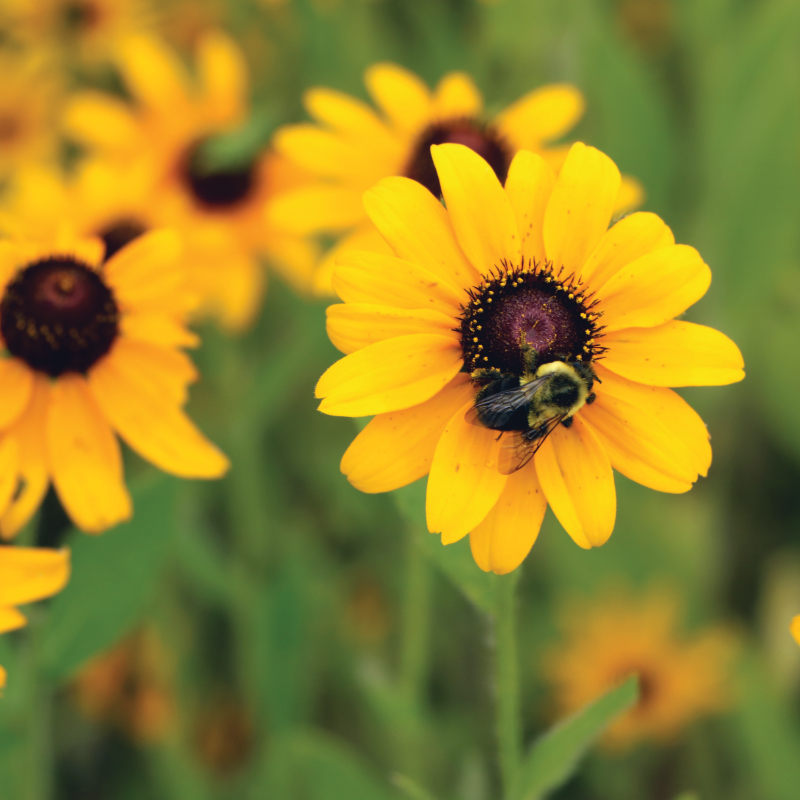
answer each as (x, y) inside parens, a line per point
(485, 376)
(591, 398)
(567, 422)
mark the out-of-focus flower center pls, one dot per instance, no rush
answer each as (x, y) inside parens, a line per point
(119, 233)
(58, 316)
(217, 189)
(469, 132)
(10, 128)
(78, 16)
(518, 309)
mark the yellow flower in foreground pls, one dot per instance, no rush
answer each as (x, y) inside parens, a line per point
(353, 147)
(220, 213)
(514, 287)
(795, 628)
(608, 638)
(27, 574)
(92, 349)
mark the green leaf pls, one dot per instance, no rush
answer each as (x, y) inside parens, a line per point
(555, 756)
(113, 576)
(455, 560)
(410, 788)
(688, 796)
(311, 765)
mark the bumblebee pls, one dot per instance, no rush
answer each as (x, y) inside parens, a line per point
(531, 406)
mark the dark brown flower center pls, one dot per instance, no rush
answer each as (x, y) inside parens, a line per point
(469, 132)
(58, 316)
(521, 309)
(217, 189)
(119, 233)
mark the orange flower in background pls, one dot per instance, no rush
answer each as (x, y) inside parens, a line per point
(352, 147)
(92, 350)
(130, 687)
(617, 634)
(517, 350)
(218, 210)
(28, 574)
(795, 628)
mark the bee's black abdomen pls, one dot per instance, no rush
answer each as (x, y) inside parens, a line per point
(501, 420)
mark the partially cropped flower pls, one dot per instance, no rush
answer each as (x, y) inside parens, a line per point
(29, 97)
(130, 687)
(681, 678)
(352, 147)
(522, 295)
(795, 628)
(220, 212)
(84, 30)
(92, 349)
(27, 574)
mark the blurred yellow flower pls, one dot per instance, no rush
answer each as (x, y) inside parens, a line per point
(27, 574)
(87, 30)
(92, 348)
(130, 687)
(473, 293)
(29, 97)
(352, 147)
(617, 634)
(220, 212)
(795, 628)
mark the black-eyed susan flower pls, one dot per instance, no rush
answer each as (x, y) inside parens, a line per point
(29, 98)
(218, 211)
(681, 678)
(27, 574)
(503, 288)
(795, 628)
(352, 147)
(91, 349)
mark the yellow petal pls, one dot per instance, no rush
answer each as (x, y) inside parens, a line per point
(654, 288)
(795, 628)
(500, 543)
(29, 573)
(541, 115)
(402, 96)
(330, 155)
(147, 269)
(149, 420)
(10, 620)
(674, 354)
(386, 280)
(85, 458)
(344, 114)
(99, 120)
(630, 238)
(153, 73)
(9, 470)
(397, 448)
(316, 209)
(158, 329)
(365, 238)
(29, 434)
(352, 326)
(651, 435)
(464, 482)
(577, 479)
(631, 195)
(389, 375)
(528, 186)
(479, 209)
(16, 378)
(457, 96)
(222, 71)
(580, 206)
(418, 229)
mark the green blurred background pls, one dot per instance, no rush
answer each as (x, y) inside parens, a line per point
(312, 640)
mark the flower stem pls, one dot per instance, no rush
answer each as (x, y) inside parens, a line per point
(509, 723)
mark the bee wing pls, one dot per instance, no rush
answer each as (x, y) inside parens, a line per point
(521, 447)
(502, 405)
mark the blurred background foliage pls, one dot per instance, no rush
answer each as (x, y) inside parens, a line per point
(280, 635)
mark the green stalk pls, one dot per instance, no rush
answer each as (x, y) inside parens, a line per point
(509, 722)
